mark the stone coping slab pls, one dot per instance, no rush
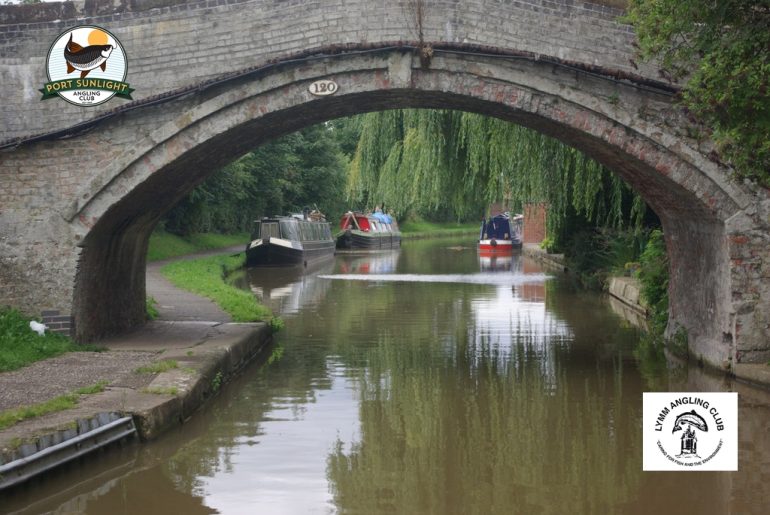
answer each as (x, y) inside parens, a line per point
(212, 356)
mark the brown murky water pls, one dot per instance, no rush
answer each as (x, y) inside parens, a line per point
(424, 381)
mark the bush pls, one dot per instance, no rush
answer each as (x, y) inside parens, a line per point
(653, 275)
(596, 253)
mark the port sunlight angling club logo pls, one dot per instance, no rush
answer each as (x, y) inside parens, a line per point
(86, 66)
(690, 431)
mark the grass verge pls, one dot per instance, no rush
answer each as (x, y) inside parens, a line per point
(158, 367)
(423, 229)
(61, 403)
(164, 245)
(157, 390)
(205, 277)
(20, 346)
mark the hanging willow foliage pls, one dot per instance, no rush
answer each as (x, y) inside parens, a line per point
(424, 160)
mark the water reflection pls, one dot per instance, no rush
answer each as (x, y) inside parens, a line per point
(384, 262)
(485, 432)
(286, 290)
(500, 263)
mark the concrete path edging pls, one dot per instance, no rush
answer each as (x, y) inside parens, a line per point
(202, 370)
(168, 400)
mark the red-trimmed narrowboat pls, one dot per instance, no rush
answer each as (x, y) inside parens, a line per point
(373, 231)
(500, 234)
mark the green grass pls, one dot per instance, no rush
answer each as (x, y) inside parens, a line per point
(164, 245)
(158, 367)
(157, 390)
(61, 403)
(205, 277)
(423, 229)
(20, 346)
(95, 388)
(150, 309)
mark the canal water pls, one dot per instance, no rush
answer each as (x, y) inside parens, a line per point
(424, 381)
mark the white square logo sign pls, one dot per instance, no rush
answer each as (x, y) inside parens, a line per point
(690, 431)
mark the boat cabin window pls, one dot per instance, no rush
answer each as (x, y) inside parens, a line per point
(270, 230)
(305, 231)
(256, 231)
(289, 230)
(518, 227)
(498, 228)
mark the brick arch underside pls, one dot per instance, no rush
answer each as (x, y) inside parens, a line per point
(117, 220)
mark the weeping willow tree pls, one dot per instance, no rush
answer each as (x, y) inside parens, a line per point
(421, 161)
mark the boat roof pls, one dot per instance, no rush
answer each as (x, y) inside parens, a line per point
(506, 216)
(295, 217)
(378, 216)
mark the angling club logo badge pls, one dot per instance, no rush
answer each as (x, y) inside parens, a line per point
(86, 66)
(690, 431)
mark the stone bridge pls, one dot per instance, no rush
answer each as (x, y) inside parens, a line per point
(82, 188)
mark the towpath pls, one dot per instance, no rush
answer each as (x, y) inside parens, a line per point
(192, 331)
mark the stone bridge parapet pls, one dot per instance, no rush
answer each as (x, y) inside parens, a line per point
(173, 44)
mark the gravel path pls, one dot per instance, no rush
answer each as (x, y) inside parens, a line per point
(63, 374)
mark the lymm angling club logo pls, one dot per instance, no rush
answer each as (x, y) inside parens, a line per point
(86, 66)
(690, 431)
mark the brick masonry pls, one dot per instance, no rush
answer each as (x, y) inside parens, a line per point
(56, 322)
(534, 223)
(76, 213)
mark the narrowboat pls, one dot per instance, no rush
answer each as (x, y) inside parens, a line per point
(500, 234)
(373, 231)
(290, 240)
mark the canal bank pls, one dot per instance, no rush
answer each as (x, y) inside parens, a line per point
(625, 300)
(150, 380)
(552, 262)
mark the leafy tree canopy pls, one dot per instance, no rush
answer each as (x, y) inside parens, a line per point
(722, 47)
(303, 169)
(428, 161)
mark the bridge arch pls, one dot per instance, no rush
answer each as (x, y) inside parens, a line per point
(209, 129)
(74, 237)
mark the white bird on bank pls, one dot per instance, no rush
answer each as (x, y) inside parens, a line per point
(38, 327)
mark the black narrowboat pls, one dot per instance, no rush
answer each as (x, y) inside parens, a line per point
(289, 240)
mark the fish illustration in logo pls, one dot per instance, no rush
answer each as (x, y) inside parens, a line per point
(88, 58)
(691, 418)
